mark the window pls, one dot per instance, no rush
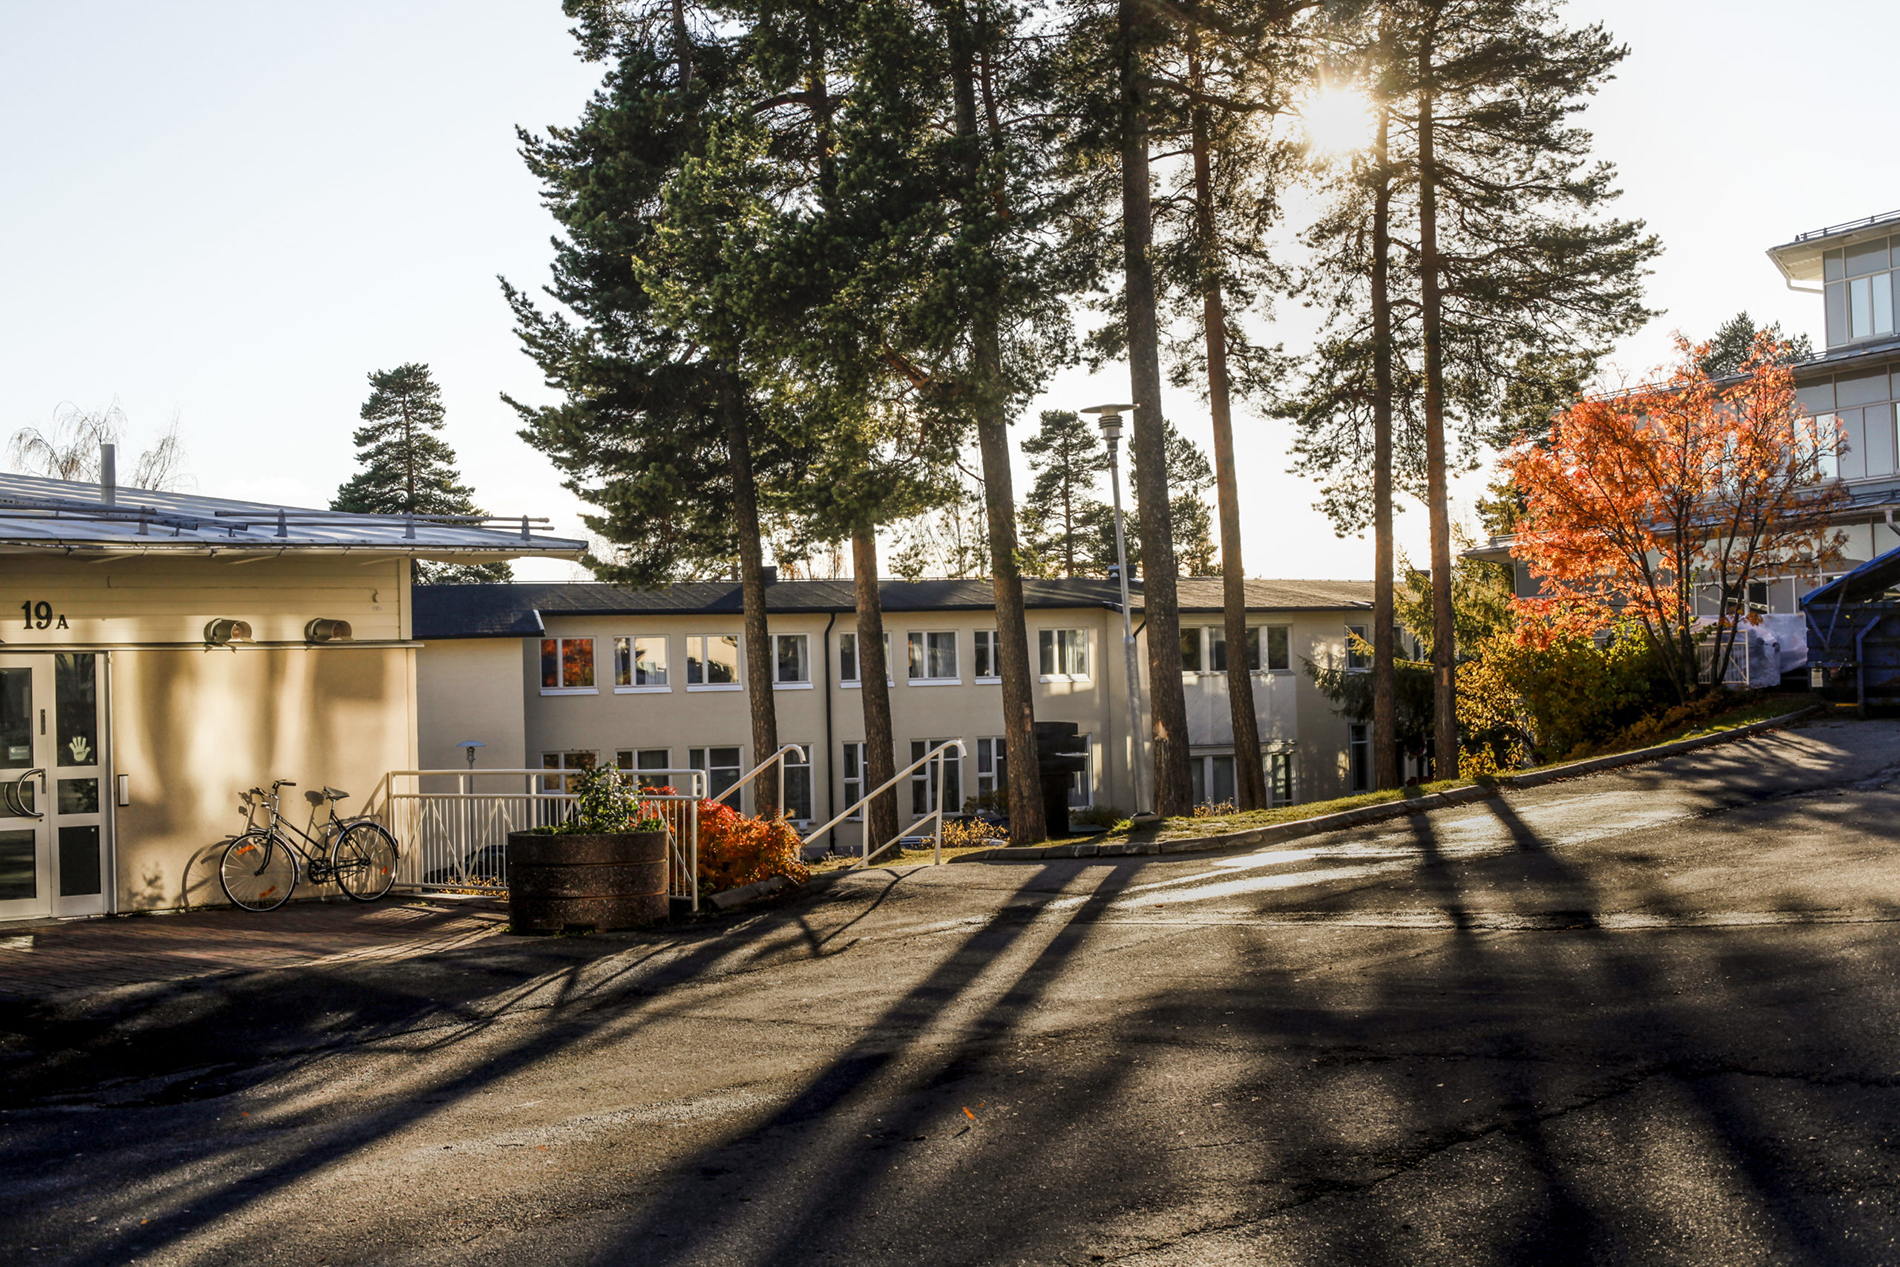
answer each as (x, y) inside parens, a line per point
(567, 665)
(1065, 652)
(854, 785)
(1082, 782)
(989, 656)
(1859, 409)
(1280, 778)
(1860, 281)
(568, 761)
(923, 780)
(1213, 779)
(1355, 658)
(933, 657)
(992, 771)
(848, 660)
(1191, 650)
(639, 759)
(1359, 756)
(1217, 644)
(798, 784)
(791, 660)
(1279, 643)
(712, 662)
(721, 768)
(640, 664)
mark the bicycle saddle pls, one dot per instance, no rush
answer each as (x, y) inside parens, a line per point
(335, 795)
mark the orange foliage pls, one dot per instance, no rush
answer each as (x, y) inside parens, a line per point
(1644, 497)
(735, 850)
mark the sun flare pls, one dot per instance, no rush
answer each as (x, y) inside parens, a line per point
(1338, 121)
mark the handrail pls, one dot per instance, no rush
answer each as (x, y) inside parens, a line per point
(880, 789)
(777, 759)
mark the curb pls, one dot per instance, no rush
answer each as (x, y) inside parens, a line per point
(1382, 812)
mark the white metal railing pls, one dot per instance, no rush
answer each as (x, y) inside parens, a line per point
(776, 759)
(458, 839)
(935, 816)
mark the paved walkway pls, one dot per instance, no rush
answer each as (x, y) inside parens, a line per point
(93, 954)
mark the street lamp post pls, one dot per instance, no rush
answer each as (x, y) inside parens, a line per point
(1109, 419)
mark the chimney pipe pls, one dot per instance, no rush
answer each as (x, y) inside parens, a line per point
(108, 473)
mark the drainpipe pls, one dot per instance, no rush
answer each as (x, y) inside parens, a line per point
(825, 659)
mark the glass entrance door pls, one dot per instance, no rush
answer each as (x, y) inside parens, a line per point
(52, 822)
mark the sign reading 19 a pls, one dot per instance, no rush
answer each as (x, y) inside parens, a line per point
(40, 616)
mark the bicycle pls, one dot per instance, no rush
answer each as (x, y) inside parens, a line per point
(260, 868)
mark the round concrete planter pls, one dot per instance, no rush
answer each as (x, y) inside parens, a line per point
(585, 881)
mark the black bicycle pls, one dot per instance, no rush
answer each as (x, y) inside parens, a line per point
(261, 868)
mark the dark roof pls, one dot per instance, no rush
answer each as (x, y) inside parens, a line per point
(1871, 581)
(516, 611)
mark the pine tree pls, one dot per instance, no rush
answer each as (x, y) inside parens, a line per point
(407, 470)
(1068, 460)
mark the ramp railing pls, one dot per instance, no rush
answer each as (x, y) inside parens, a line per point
(935, 817)
(454, 838)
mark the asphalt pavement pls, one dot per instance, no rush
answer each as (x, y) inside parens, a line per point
(1641, 1017)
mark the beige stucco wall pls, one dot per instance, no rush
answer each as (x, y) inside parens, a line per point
(192, 727)
(472, 688)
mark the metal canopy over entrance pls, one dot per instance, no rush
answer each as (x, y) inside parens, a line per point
(55, 795)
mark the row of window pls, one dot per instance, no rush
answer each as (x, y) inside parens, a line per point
(1864, 405)
(931, 658)
(713, 660)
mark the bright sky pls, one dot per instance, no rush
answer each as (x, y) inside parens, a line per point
(235, 211)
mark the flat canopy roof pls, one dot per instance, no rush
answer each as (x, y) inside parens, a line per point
(39, 515)
(1800, 260)
(517, 610)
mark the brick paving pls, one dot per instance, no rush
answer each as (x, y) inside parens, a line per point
(93, 954)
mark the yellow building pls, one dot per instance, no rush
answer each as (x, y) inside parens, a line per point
(563, 676)
(166, 652)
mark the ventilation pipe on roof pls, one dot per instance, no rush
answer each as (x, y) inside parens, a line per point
(108, 473)
(769, 572)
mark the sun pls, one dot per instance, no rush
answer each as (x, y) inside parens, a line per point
(1338, 121)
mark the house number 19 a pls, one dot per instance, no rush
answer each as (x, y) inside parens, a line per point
(40, 616)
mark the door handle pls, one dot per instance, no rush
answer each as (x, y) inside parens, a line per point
(16, 802)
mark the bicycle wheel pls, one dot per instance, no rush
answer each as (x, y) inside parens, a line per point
(258, 871)
(364, 859)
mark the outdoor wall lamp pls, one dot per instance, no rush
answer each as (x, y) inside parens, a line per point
(327, 631)
(224, 632)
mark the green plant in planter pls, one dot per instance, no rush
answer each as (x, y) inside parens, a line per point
(605, 804)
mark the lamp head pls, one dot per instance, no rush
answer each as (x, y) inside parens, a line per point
(1109, 419)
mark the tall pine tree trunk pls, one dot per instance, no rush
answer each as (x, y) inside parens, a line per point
(1250, 783)
(880, 822)
(1023, 779)
(1385, 696)
(1173, 784)
(1444, 665)
(758, 646)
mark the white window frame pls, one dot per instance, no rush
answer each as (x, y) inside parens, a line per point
(803, 684)
(918, 641)
(992, 751)
(811, 788)
(561, 769)
(1266, 648)
(854, 682)
(852, 787)
(923, 780)
(630, 643)
(1284, 760)
(738, 662)
(1055, 633)
(982, 639)
(1203, 650)
(700, 759)
(560, 661)
(1202, 764)
(628, 760)
(1358, 757)
(1364, 634)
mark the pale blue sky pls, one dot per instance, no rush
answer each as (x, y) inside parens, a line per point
(234, 211)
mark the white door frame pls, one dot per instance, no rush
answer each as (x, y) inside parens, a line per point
(62, 779)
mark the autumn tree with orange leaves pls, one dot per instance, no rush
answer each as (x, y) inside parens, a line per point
(1642, 499)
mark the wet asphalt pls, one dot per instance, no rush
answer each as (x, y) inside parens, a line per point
(1642, 1017)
